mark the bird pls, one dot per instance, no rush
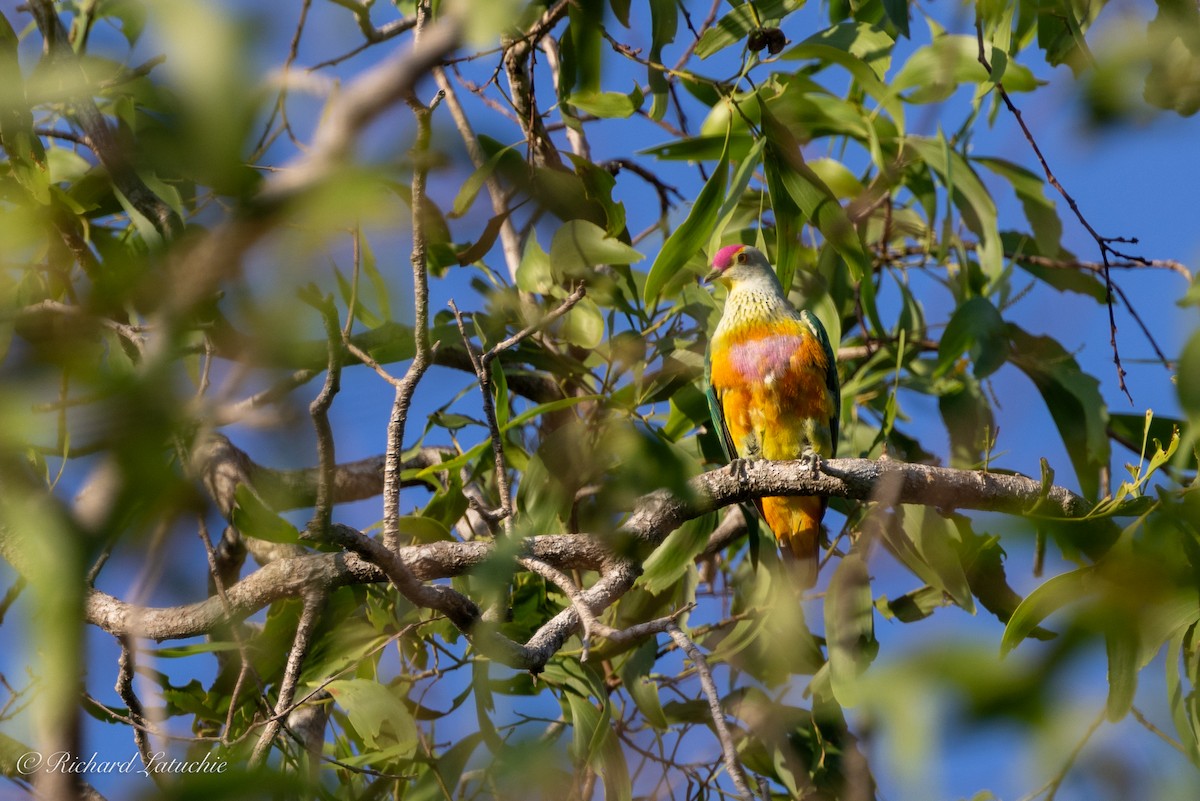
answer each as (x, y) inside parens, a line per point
(773, 391)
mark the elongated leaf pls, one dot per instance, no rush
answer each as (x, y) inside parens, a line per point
(608, 104)
(693, 233)
(1073, 399)
(937, 541)
(1188, 381)
(849, 626)
(376, 714)
(674, 557)
(977, 328)
(702, 148)
(475, 181)
(1121, 645)
(253, 518)
(579, 245)
(738, 23)
(635, 678)
(934, 71)
(970, 196)
(664, 19)
(1039, 208)
(813, 197)
(1044, 601)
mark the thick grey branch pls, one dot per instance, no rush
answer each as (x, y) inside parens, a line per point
(653, 518)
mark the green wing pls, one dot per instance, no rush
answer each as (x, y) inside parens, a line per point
(717, 412)
(831, 375)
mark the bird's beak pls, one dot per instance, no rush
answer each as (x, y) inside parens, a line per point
(712, 276)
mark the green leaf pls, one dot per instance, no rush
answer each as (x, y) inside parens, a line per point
(475, 181)
(579, 245)
(849, 625)
(693, 233)
(608, 105)
(970, 197)
(937, 539)
(912, 606)
(377, 715)
(621, 11)
(253, 518)
(969, 421)
(703, 148)
(583, 325)
(1121, 645)
(1044, 601)
(1074, 401)
(1129, 429)
(977, 328)
(674, 557)
(534, 273)
(1039, 208)
(636, 679)
(934, 71)
(1188, 379)
(1067, 279)
(738, 23)
(862, 50)
(897, 14)
(982, 558)
(813, 197)
(868, 43)
(582, 46)
(1060, 28)
(664, 19)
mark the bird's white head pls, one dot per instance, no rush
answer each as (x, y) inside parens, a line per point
(741, 264)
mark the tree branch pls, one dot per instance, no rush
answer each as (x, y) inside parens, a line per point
(654, 517)
(728, 750)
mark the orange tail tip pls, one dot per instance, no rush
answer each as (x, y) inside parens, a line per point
(796, 523)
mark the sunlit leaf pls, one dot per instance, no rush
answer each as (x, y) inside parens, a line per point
(737, 24)
(253, 518)
(377, 714)
(693, 233)
(1043, 602)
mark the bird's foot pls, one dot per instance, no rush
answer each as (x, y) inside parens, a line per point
(813, 461)
(737, 467)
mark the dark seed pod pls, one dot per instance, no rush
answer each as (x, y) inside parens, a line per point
(757, 40)
(775, 40)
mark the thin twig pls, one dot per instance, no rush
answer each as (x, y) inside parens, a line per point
(484, 376)
(125, 691)
(1104, 243)
(309, 616)
(728, 749)
(483, 372)
(319, 410)
(422, 351)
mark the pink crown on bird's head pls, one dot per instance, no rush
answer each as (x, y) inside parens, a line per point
(725, 255)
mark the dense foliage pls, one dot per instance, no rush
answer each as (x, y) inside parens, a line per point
(228, 240)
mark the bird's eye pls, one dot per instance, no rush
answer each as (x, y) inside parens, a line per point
(741, 258)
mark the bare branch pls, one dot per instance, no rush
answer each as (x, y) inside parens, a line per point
(350, 112)
(422, 350)
(728, 749)
(311, 614)
(319, 410)
(652, 519)
(508, 234)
